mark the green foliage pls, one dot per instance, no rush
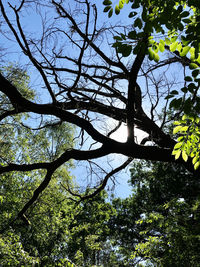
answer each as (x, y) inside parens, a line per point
(58, 231)
(12, 252)
(159, 223)
(188, 141)
(54, 137)
(161, 17)
(89, 232)
(176, 242)
(18, 77)
(23, 245)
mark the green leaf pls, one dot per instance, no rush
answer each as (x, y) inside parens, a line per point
(162, 42)
(184, 117)
(188, 79)
(177, 123)
(178, 145)
(194, 160)
(135, 5)
(123, 36)
(196, 166)
(161, 47)
(184, 51)
(174, 92)
(184, 129)
(184, 155)
(192, 87)
(177, 129)
(184, 40)
(174, 152)
(167, 41)
(174, 38)
(180, 9)
(186, 20)
(152, 54)
(195, 73)
(107, 8)
(176, 103)
(192, 53)
(179, 47)
(156, 57)
(107, 2)
(121, 4)
(184, 89)
(177, 155)
(155, 47)
(117, 10)
(132, 35)
(110, 13)
(180, 138)
(117, 44)
(124, 49)
(173, 46)
(187, 106)
(127, 51)
(132, 14)
(193, 66)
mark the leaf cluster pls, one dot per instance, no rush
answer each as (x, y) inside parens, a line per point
(160, 17)
(188, 140)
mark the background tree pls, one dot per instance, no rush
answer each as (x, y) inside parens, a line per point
(88, 243)
(41, 234)
(57, 230)
(85, 78)
(159, 222)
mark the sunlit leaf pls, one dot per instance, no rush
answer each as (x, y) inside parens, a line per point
(194, 160)
(184, 129)
(184, 51)
(173, 46)
(151, 54)
(196, 166)
(178, 145)
(178, 154)
(184, 156)
(177, 129)
(161, 47)
(117, 10)
(156, 57)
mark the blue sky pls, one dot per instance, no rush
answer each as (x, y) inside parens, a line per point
(32, 22)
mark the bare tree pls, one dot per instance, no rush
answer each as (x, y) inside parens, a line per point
(85, 82)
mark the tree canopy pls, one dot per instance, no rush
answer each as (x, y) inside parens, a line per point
(88, 74)
(159, 222)
(56, 230)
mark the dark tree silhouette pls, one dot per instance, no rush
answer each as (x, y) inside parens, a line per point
(84, 81)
